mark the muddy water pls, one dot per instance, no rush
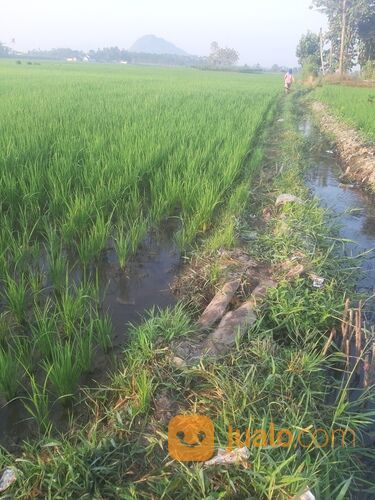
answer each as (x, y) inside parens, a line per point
(125, 296)
(353, 208)
(354, 211)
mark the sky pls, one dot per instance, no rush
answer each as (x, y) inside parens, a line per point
(262, 31)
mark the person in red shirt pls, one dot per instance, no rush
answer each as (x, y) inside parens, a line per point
(288, 80)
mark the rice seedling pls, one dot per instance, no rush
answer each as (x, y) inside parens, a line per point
(15, 291)
(45, 330)
(103, 332)
(64, 370)
(72, 308)
(137, 231)
(37, 404)
(84, 347)
(21, 346)
(10, 371)
(7, 327)
(77, 219)
(122, 245)
(58, 270)
(93, 241)
(37, 280)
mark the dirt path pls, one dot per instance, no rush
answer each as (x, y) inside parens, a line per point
(357, 158)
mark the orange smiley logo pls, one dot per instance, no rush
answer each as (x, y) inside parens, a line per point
(191, 438)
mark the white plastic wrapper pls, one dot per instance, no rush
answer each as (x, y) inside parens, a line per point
(7, 478)
(224, 457)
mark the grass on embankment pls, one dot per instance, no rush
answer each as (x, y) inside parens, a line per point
(277, 373)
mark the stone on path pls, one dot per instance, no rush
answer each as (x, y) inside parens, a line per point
(216, 308)
(235, 322)
(284, 198)
(232, 324)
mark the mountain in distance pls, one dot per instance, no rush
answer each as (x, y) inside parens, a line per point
(151, 44)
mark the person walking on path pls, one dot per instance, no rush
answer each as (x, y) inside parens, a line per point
(288, 80)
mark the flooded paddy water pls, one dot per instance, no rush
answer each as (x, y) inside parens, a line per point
(125, 297)
(352, 208)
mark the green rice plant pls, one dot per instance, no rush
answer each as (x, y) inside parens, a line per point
(7, 328)
(122, 245)
(58, 272)
(52, 240)
(10, 371)
(64, 370)
(84, 347)
(93, 241)
(22, 245)
(15, 291)
(104, 332)
(45, 330)
(89, 290)
(9, 191)
(37, 404)
(36, 280)
(223, 236)
(137, 231)
(21, 346)
(3, 263)
(77, 220)
(72, 308)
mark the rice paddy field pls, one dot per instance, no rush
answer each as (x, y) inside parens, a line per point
(111, 177)
(94, 158)
(355, 105)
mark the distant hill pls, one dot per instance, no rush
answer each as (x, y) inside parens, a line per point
(151, 44)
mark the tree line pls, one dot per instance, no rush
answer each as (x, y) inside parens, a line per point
(348, 41)
(218, 57)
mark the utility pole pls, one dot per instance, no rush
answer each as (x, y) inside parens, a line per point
(321, 51)
(343, 35)
(331, 58)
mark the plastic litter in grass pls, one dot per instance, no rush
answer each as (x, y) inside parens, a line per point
(224, 457)
(317, 281)
(8, 477)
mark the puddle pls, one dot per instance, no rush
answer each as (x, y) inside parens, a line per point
(353, 209)
(125, 296)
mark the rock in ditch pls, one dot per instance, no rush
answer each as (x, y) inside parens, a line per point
(261, 290)
(232, 324)
(216, 308)
(284, 198)
(178, 362)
